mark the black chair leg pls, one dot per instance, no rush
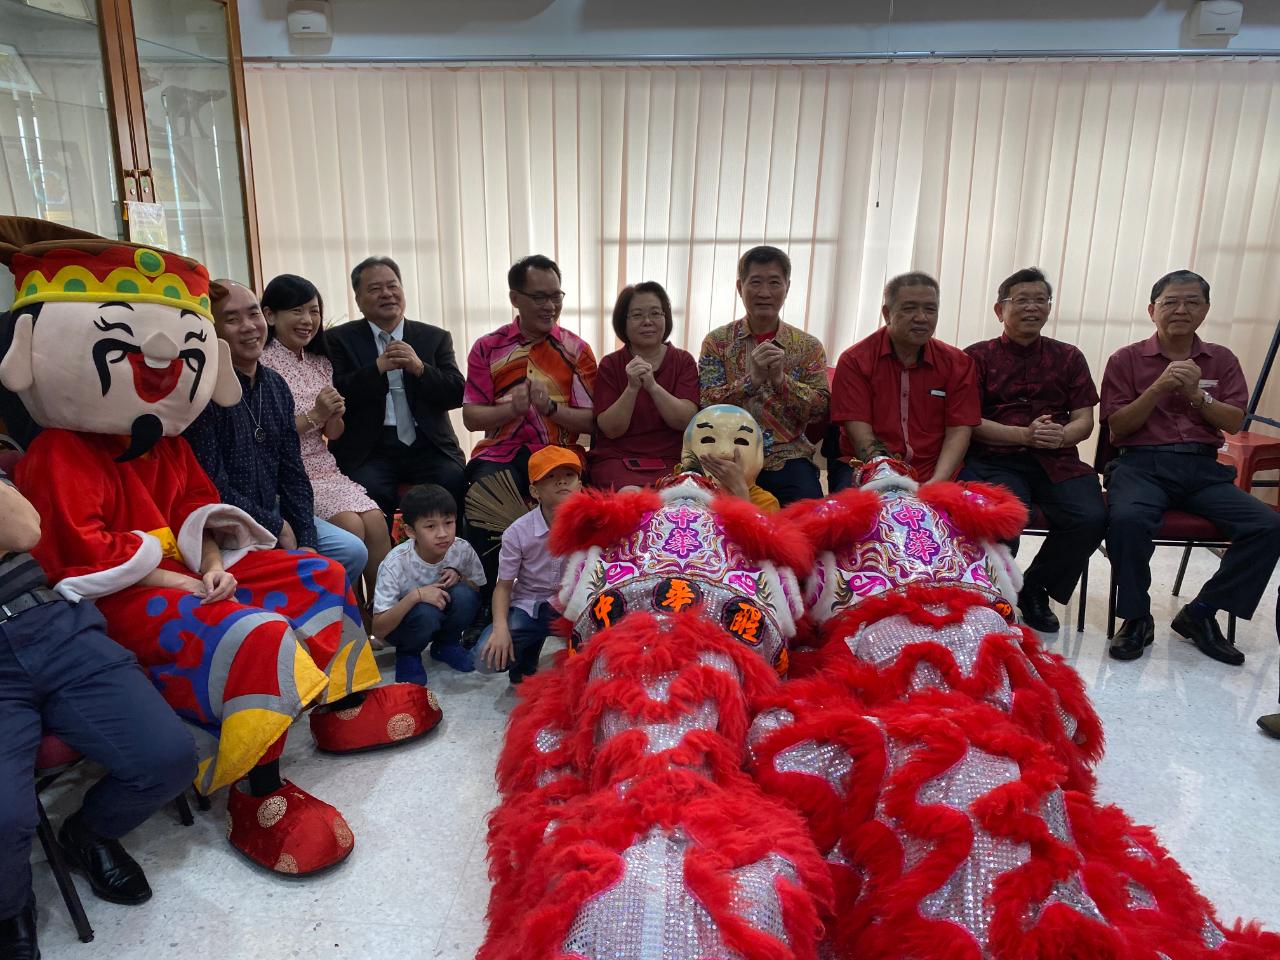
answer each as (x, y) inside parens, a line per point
(1182, 569)
(202, 802)
(184, 809)
(1084, 596)
(1231, 629)
(62, 874)
(1111, 607)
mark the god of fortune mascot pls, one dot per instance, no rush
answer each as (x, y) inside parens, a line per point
(942, 758)
(113, 353)
(628, 828)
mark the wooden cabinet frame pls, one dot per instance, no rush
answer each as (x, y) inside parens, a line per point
(129, 121)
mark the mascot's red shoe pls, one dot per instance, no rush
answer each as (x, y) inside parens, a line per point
(288, 831)
(387, 716)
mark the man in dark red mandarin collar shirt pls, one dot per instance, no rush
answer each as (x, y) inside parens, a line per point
(1037, 404)
(902, 392)
(1167, 401)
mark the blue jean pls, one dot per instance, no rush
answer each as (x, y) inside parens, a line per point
(61, 673)
(345, 547)
(427, 626)
(528, 634)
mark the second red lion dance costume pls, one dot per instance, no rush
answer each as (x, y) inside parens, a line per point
(114, 354)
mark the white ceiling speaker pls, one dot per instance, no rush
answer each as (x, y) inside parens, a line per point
(1216, 18)
(309, 18)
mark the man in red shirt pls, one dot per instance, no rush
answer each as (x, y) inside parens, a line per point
(902, 392)
(1037, 404)
(1167, 401)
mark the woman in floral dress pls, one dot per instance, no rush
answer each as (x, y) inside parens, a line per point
(296, 351)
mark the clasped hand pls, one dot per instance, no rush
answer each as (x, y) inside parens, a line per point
(766, 364)
(400, 356)
(1045, 434)
(1180, 376)
(640, 374)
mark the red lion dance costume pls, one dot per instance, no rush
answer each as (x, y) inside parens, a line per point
(114, 353)
(920, 787)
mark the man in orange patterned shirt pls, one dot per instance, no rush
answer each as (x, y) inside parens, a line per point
(773, 370)
(528, 386)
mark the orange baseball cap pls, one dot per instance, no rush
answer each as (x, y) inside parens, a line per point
(548, 458)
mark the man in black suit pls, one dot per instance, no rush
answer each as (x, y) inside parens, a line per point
(400, 381)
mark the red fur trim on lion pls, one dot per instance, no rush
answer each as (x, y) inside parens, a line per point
(761, 537)
(596, 518)
(834, 521)
(982, 510)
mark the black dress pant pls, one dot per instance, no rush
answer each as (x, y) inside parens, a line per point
(61, 673)
(392, 463)
(1074, 509)
(796, 479)
(1142, 484)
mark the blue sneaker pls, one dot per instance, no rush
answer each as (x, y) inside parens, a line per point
(409, 669)
(454, 655)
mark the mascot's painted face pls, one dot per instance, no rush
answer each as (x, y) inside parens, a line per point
(727, 431)
(114, 340)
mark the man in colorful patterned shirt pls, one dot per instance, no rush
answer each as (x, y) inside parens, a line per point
(1037, 403)
(773, 370)
(528, 386)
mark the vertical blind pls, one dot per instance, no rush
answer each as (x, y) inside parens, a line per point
(1106, 174)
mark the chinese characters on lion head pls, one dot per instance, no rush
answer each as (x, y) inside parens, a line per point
(922, 788)
(113, 353)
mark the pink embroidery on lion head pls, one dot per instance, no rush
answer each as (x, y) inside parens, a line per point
(913, 538)
(685, 551)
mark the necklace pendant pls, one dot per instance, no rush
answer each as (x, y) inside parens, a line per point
(260, 435)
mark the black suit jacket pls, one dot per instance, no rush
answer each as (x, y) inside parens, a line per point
(354, 355)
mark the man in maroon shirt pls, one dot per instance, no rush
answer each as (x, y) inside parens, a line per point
(1167, 401)
(1037, 404)
(902, 392)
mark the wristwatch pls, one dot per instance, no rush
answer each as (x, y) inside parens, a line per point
(552, 407)
(1205, 401)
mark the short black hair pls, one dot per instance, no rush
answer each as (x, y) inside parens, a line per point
(288, 291)
(622, 307)
(519, 271)
(913, 279)
(759, 256)
(368, 262)
(425, 500)
(1180, 276)
(1025, 275)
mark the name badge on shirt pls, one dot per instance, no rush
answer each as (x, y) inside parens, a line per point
(1206, 384)
(937, 393)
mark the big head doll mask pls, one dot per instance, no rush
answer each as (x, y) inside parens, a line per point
(110, 337)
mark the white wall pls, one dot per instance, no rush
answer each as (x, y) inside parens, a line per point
(605, 28)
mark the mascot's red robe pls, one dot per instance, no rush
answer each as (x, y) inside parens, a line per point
(240, 669)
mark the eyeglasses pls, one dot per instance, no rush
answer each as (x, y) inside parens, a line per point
(542, 299)
(655, 314)
(1172, 303)
(1022, 303)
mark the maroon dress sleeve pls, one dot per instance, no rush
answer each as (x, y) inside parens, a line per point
(611, 380)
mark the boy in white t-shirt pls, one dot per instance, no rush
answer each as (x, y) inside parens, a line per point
(427, 590)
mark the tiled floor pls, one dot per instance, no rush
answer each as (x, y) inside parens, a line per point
(1183, 754)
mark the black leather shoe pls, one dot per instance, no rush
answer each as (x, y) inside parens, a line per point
(18, 935)
(1207, 636)
(1271, 724)
(1133, 637)
(1033, 604)
(113, 875)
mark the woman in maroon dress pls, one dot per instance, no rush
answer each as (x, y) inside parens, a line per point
(645, 394)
